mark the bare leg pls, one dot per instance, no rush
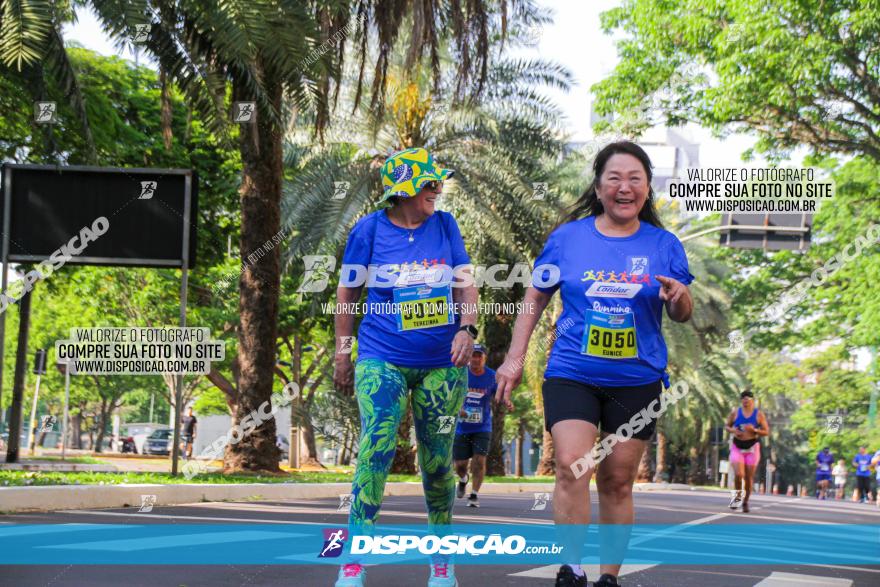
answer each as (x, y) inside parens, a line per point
(461, 468)
(573, 440)
(478, 468)
(749, 482)
(614, 481)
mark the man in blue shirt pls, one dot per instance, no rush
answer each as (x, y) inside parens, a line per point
(862, 463)
(474, 431)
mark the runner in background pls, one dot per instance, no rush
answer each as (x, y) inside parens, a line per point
(747, 424)
(474, 430)
(823, 472)
(875, 460)
(862, 463)
(840, 473)
(413, 348)
(190, 428)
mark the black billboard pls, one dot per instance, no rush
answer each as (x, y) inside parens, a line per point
(770, 232)
(104, 215)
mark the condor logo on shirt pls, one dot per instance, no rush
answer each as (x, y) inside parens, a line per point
(604, 289)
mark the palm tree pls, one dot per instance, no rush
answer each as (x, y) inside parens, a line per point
(285, 57)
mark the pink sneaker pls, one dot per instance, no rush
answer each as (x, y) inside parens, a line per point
(351, 575)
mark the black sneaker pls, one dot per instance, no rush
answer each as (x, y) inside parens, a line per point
(473, 501)
(567, 578)
(607, 580)
(459, 491)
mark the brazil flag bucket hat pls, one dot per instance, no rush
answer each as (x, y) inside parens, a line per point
(405, 172)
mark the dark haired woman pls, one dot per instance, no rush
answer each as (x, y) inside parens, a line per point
(618, 269)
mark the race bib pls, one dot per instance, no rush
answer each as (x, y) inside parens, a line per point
(422, 306)
(824, 467)
(609, 336)
(473, 415)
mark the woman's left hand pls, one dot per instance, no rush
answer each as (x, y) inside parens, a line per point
(462, 348)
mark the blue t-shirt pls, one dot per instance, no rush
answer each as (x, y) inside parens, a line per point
(609, 333)
(405, 272)
(478, 403)
(862, 464)
(825, 460)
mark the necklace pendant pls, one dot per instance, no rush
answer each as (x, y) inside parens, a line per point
(411, 238)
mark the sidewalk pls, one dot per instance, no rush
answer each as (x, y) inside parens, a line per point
(61, 497)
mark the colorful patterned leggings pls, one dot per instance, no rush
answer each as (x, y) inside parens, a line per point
(382, 394)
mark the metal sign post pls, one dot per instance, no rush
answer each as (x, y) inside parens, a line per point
(63, 367)
(39, 371)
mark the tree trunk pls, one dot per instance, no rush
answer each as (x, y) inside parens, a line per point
(311, 446)
(102, 424)
(261, 156)
(76, 431)
(520, 449)
(404, 461)
(547, 465)
(495, 458)
(660, 472)
(644, 472)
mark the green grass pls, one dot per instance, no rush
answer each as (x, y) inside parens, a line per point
(31, 478)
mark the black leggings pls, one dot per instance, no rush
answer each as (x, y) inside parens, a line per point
(864, 485)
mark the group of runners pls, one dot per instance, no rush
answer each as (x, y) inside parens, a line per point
(863, 462)
(616, 270)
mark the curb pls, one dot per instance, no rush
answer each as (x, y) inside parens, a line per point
(62, 497)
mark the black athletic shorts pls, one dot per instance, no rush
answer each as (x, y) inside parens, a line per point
(606, 407)
(467, 445)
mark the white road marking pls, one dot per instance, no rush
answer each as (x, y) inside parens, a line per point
(777, 579)
(174, 541)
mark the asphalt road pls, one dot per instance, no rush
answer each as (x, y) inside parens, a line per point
(666, 507)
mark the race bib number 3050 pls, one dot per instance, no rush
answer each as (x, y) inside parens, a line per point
(609, 336)
(423, 306)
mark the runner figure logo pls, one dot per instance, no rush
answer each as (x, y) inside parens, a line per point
(148, 188)
(541, 501)
(334, 540)
(638, 266)
(833, 424)
(147, 502)
(340, 189)
(446, 423)
(141, 33)
(44, 112)
(345, 344)
(47, 423)
(244, 111)
(345, 502)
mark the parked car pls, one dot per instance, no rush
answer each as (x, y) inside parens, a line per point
(159, 443)
(140, 431)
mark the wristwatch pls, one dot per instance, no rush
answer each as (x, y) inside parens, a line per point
(470, 329)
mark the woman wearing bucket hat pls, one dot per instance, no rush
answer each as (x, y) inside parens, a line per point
(412, 344)
(616, 270)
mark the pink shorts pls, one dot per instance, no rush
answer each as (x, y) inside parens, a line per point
(750, 457)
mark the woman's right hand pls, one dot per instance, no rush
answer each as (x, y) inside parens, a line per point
(343, 375)
(508, 376)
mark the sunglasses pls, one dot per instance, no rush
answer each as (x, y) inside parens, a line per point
(433, 186)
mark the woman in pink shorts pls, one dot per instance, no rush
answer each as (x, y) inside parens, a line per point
(747, 424)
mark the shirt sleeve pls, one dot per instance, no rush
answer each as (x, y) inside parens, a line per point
(358, 248)
(456, 242)
(549, 257)
(678, 262)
